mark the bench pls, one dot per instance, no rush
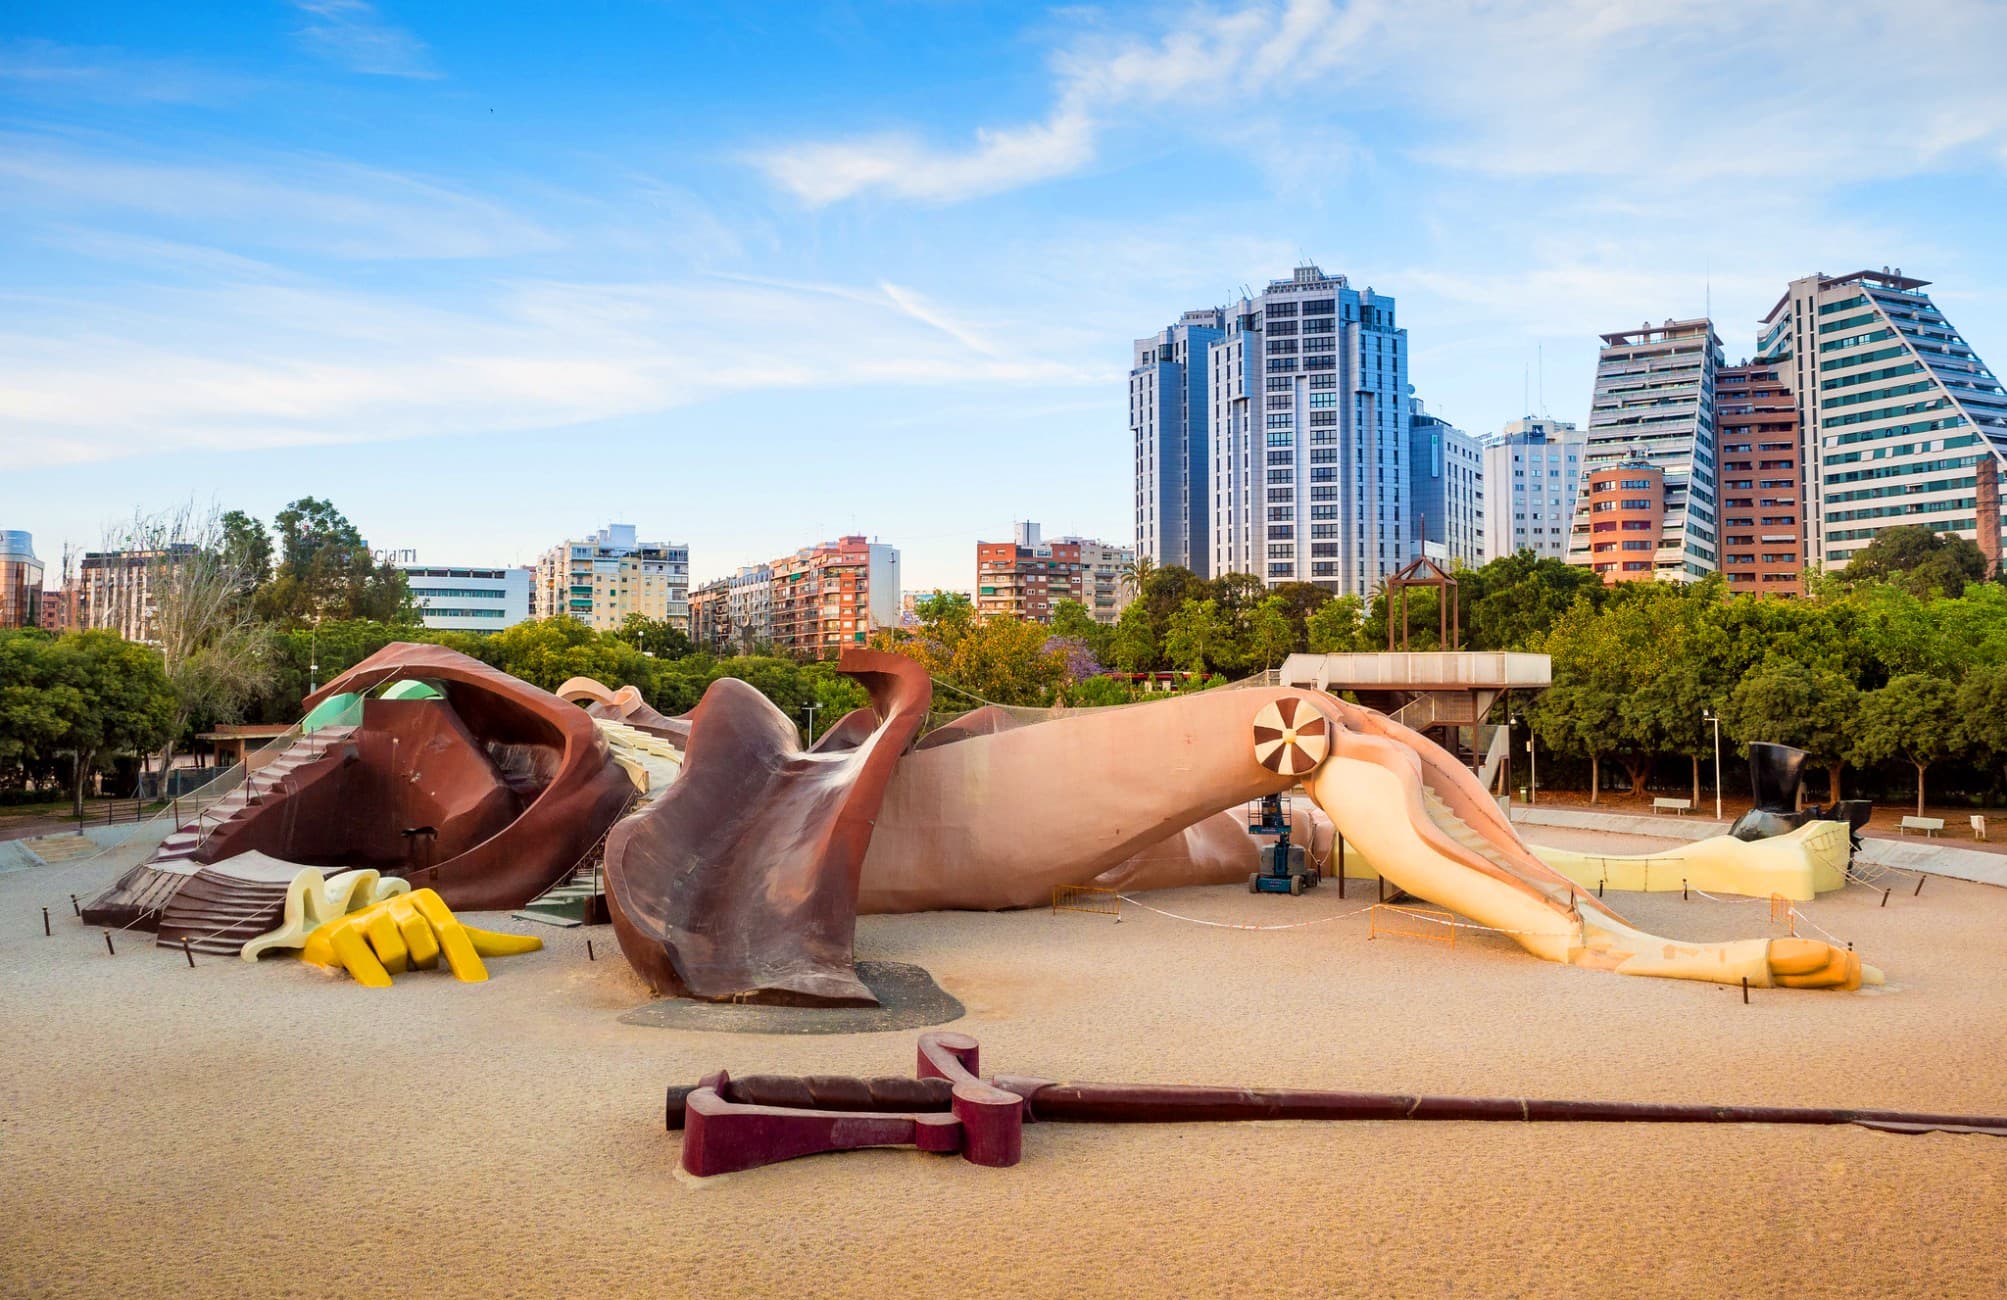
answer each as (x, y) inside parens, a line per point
(1928, 825)
(1675, 806)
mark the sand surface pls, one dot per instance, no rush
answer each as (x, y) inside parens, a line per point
(268, 1129)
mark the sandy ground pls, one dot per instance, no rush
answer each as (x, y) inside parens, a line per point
(271, 1130)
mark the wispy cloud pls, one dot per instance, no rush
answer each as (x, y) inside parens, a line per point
(47, 70)
(288, 201)
(260, 365)
(352, 34)
(1680, 92)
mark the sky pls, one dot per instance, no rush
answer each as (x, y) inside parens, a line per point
(751, 276)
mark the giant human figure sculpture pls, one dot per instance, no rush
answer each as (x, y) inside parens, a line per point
(995, 818)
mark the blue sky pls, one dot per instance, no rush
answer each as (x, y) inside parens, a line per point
(750, 276)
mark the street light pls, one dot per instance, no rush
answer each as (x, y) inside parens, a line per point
(1709, 715)
(810, 710)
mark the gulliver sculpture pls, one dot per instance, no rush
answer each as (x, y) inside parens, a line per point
(735, 884)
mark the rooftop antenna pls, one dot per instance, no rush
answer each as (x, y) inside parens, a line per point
(1541, 353)
(1525, 384)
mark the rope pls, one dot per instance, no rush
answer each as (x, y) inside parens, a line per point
(1233, 925)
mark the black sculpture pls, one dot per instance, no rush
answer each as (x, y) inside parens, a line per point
(1775, 774)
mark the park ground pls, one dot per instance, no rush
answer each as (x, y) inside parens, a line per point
(270, 1129)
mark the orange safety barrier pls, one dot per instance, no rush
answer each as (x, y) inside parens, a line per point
(1436, 925)
(1086, 898)
(1783, 913)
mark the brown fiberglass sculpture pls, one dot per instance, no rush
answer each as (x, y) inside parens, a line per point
(473, 783)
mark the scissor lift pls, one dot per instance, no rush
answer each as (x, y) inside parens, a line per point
(1283, 866)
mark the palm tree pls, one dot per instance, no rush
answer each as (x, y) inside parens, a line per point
(1137, 572)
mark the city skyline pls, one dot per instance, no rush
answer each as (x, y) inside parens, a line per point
(362, 251)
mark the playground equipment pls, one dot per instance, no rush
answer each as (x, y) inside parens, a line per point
(744, 879)
(407, 931)
(730, 1125)
(469, 782)
(1800, 864)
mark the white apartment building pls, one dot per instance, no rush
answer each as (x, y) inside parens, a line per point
(467, 598)
(1532, 468)
(601, 579)
(1895, 410)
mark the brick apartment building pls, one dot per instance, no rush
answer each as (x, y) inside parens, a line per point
(1025, 577)
(1756, 424)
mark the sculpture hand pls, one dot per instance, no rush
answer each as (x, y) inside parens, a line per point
(389, 937)
(1810, 964)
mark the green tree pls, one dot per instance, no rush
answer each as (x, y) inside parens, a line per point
(1982, 714)
(33, 717)
(1133, 647)
(110, 697)
(654, 636)
(1918, 559)
(1787, 703)
(1515, 599)
(1269, 637)
(1334, 627)
(246, 549)
(1196, 635)
(325, 570)
(1910, 718)
(1071, 620)
(1136, 574)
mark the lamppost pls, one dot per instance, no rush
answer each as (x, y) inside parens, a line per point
(810, 710)
(313, 655)
(1709, 715)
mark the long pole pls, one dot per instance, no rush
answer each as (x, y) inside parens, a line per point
(1716, 719)
(811, 708)
(1532, 770)
(1105, 1103)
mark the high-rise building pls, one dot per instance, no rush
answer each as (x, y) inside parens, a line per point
(1445, 489)
(1756, 422)
(1026, 576)
(831, 596)
(1167, 426)
(601, 579)
(1308, 422)
(1654, 399)
(1895, 410)
(20, 581)
(467, 598)
(1532, 468)
(115, 589)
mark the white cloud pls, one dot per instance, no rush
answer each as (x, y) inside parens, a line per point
(46, 70)
(308, 204)
(247, 366)
(352, 34)
(1673, 93)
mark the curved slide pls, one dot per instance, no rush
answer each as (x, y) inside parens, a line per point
(1427, 826)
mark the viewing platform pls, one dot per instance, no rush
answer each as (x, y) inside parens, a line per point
(1444, 688)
